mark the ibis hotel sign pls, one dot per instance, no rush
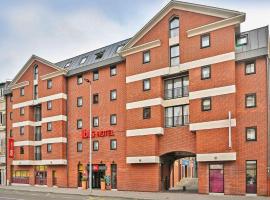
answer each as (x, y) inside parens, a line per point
(96, 134)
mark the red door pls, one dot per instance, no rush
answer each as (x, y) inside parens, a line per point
(216, 179)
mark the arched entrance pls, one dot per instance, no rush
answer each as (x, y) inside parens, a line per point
(179, 171)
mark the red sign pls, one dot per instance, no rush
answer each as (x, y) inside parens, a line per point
(95, 168)
(11, 148)
(95, 134)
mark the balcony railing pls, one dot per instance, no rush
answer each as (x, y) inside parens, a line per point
(41, 181)
(176, 121)
(175, 93)
(37, 117)
(38, 137)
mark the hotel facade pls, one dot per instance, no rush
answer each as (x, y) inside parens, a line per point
(189, 84)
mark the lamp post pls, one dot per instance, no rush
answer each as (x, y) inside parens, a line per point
(90, 135)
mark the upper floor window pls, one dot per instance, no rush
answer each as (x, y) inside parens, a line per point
(79, 146)
(113, 144)
(251, 133)
(1, 118)
(146, 57)
(95, 145)
(119, 48)
(99, 55)
(68, 64)
(95, 98)
(174, 55)
(49, 148)
(205, 40)
(176, 116)
(95, 122)
(113, 95)
(36, 72)
(241, 40)
(11, 115)
(79, 102)
(146, 112)
(49, 105)
(95, 75)
(21, 111)
(22, 91)
(79, 124)
(21, 150)
(35, 92)
(206, 104)
(250, 100)
(113, 119)
(206, 72)
(22, 130)
(49, 84)
(113, 70)
(49, 126)
(79, 79)
(174, 27)
(83, 60)
(176, 87)
(250, 68)
(146, 84)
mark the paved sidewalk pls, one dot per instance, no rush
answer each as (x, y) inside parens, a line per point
(126, 194)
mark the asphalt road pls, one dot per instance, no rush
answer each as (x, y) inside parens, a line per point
(24, 195)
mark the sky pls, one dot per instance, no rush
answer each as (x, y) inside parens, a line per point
(58, 29)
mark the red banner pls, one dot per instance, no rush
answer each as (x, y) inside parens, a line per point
(11, 148)
(95, 134)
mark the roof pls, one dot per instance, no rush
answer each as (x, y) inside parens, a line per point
(110, 55)
(257, 44)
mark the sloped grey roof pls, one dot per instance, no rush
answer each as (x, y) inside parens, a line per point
(257, 44)
(109, 57)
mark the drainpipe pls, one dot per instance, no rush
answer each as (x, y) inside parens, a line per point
(67, 111)
(230, 130)
(268, 123)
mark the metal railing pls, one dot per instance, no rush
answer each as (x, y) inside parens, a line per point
(176, 121)
(175, 93)
(21, 180)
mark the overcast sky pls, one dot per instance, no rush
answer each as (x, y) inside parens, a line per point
(59, 29)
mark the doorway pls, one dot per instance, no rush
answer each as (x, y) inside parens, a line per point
(251, 177)
(216, 178)
(80, 174)
(41, 178)
(97, 176)
(114, 176)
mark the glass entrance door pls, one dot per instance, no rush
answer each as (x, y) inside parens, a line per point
(114, 176)
(216, 179)
(251, 177)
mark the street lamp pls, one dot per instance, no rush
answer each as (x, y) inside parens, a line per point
(90, 135)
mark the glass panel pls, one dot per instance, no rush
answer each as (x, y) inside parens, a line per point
(175, 61)
(250, 101)
(146, 57)
(216, 179)
(205, 41)
(174, 32)
(205, 72)
(169, 117)
(241, 40)
(251, 177)
(250, 68)
(186, 114)
(251, 134)
(177, 116)
(175, 51)
(174, 23)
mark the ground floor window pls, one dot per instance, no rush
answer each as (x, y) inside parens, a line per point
(20, 176)
(251, 177)
(216, 178)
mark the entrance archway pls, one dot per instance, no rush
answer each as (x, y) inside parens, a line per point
(179, 171)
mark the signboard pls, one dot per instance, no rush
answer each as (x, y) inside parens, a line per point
(95, 134)
(11, 148)
(185, 162)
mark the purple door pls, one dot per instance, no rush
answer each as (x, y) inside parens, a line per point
(216, 179)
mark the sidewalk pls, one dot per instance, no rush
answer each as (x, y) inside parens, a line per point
(126, 194)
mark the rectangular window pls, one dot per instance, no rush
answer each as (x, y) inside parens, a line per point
(113, 71)
(95, 99)
(49, 105)
(250, 100)
(174, 55)
(176, 88)
(206, 104)
(113, 144)
(79, 124)
(22, 111)
(10, 133)
(49, 84)
(95, 75)
(83, 60)
(38, 153)
(206, 72)
(251, 133)
(79, 79)
(174, 27)
(22, 130)
(95, 145)
(250, 68)
(79, 147)
(146, 57)
(95, 122)
(241, 40)
(113, 95)
(113, 119)
(11, 115)
(21, 150)
(49, 126)
(22, 91)
(205, 41)
(35, 91)
(176, 116)
(251, 177)
(146, 112)
(49, 148)
(79, 101)
(146, 84)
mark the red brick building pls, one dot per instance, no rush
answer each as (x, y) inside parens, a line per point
(188, 84)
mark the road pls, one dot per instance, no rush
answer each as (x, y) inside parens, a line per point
(24, 195)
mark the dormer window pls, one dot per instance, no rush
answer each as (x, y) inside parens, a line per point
(119, 48)
(68, 64)
(241, 40)
(83, 60)
(174, 27)
(99, 55)
(36, 72)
